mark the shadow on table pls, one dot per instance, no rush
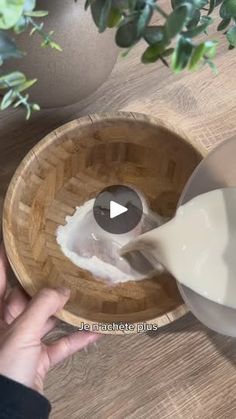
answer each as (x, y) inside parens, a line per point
(224, 345)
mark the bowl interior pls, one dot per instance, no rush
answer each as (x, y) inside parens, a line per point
(72, 165)
(217, 170)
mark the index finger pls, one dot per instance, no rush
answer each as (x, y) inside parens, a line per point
(42, 306)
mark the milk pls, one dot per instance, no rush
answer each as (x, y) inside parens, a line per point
(93, 249)
(198, 246)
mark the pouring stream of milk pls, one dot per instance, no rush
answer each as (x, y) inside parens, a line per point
(198, 246)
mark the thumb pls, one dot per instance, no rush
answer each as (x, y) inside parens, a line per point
(68, 345)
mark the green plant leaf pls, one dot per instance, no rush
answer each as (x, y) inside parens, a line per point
(8, 99)
(168, 52)
(131, 4)
(37, 13)
(199, 3)
(21, 25)
(126, 35)
(196, 56)
(100, 12)
(29, 5)
(154, 34)
(35, 107)
(56, 46)
(12, 79)
(123, 4)
(104, 16)
(212, 5)
(228, 9)
(223, 24)
(206, 21)
(153, 52)
(144, 19)
(96, 9)
(231, 36)
(11, 11)
(177, 3)
(182, 54)
(177, 20)
(47, 42)
(26, 85)
(205, 49)
(192, 23)
(8, 48)
(211, 48)
(114, 19)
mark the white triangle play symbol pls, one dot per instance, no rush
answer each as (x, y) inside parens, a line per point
(116, 209)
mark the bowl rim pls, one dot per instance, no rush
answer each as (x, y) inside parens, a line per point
(11, 248)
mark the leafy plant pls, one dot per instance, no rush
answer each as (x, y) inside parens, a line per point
(174, 41)
(17, 16)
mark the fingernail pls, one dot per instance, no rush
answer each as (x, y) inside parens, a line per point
(63, 290)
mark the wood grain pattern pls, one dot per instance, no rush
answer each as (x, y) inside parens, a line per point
(72, 165)
(184, 371)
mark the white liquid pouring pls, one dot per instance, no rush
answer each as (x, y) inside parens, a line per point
(91, 248)
(198, 246)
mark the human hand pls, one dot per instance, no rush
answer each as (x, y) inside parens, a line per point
(23, 324)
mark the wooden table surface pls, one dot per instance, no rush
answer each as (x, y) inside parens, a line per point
(183, 371)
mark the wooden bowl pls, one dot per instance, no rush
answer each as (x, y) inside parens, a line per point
(71, 165)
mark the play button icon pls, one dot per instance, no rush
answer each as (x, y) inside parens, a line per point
(118, 209)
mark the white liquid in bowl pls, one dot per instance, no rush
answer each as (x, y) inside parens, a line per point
(91, 248)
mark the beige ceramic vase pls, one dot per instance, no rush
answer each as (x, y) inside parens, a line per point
(84, 64)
